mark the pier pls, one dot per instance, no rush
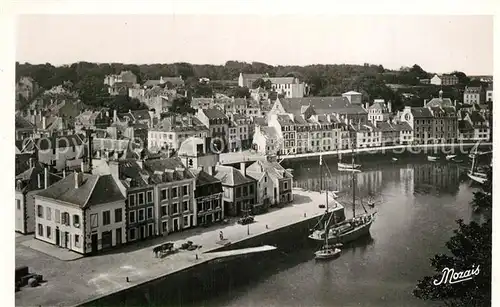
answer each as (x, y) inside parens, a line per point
(247, 156)
(91, 280)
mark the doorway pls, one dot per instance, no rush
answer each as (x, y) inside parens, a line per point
(107, 239)
(66, 239)
(176, 225)
(151, 230)
(94, 243)
(142, 233)
(58, 237)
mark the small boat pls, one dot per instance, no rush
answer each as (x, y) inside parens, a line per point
(478, 177)
(450, 157)
(458, 160)
(432, 158)
(394, 159)
(347, 166)
(327, 253)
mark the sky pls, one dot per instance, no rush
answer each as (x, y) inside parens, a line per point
(438, 43)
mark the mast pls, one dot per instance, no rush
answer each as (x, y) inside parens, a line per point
(353, 184)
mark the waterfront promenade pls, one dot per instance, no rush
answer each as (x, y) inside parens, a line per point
(247, 156)
(71, 283)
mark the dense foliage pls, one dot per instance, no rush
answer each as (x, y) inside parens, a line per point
(469, 247)
(323, 80)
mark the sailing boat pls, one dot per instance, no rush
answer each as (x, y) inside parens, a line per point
(327, 251)
(347, 230)
(475, 174)
(347, 166)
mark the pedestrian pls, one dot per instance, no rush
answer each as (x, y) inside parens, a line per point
(127, 279)
(196, 256)
(221, 235)
(267, 227)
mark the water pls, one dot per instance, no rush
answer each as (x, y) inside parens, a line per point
(417, 204)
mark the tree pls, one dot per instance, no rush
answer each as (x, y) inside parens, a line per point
(470, 248)
(92, 91)
(239, 92)
(123, 103)
(181, 106)
(261, 83)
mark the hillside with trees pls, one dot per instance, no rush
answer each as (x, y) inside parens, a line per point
(323, 80)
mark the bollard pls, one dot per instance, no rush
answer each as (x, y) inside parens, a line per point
(304, 214)
(127, 279)
(196, 256)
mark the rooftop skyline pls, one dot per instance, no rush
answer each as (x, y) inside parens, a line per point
(437, 43)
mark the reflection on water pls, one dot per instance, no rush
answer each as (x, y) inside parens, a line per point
(417, 208)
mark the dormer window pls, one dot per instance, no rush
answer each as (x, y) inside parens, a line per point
(76, 221)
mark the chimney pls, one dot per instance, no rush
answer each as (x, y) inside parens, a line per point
(39, 177)
(115, 115)
(64, 173)
(367, 105)
(44, 123)
(113, 169)
(46, 177)
(243, 168)
(389, 107)
(425, 102)
(78, 179)
(83, 167)
(31, 162)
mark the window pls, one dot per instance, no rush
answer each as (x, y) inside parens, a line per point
(150, 213)
(245, 191)
(77, 240)
(118, 215)
(132, 217)
(49, 213)
(186, 222)
(238, 192)
(131, 200)
(285, 185)
(94, 220)
(265, 179)
(251, 189)
(132, 234)
(164, 194)
(106, 217)
(18, 204)
(40, 212)
(175, 208)
(185, 206)
(185, 190)
(174, 192)
(141, 215)
(164, 211)
(65, 218)
(40, 230)
(149, 197)
(49, 234)
(140, 200)
(76, 221)
(58, 216)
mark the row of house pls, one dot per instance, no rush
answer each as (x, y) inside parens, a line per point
(316, 124)
(111, 202)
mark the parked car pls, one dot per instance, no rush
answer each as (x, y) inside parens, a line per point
(246, 220)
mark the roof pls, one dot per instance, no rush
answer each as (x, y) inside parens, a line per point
(476, 117)
(280, 80)
(230, 176)
(254, 76)
(472, 89)
(378, 105)
(274, 169)
(132, 175)
(141, 114)
(439, 102)
(94, 190)
(196, 102)
(464, 125)
(403, 126)
(167, 170)
(214, 113)
(269, 132)
(385, 126)
(203, 178)
(22, 123)
(351, 93)
(180, 124)
(60, 141)
(420, 112)
(285, 120)
(260, 121)
(322, 105)
(150, 83)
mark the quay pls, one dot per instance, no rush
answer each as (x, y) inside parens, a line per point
(94, 281)
(247, 156)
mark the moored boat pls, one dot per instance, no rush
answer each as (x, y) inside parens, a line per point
(450, 157)
(432, 158)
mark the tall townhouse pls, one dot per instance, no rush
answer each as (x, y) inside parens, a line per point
(140, 205)
(390, 132)
(474, 127)
(27, 185)
(82, 212)
(265, 187)
(218, 125)
(286, 130)
(405, 133)
(239, 191)
(474, 95)
(172, 131)
(174, 186)
(420, 120)
(444, 124)
(195, 154)
(239, 132)
(282, 180)
(379, 111)
(266, 140)
(367, 135)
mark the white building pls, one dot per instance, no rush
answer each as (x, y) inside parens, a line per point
(489, 93)
(82, 212)
(266, 140)
(353, 97)
(290, 87)
(473, 95)
(379, 111)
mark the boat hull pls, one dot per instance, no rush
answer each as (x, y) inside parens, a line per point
(432, 158)
(349, 236)
(322, 255)
(347, 166)
(478, 178)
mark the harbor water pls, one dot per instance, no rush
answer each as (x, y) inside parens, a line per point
(417, 203)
